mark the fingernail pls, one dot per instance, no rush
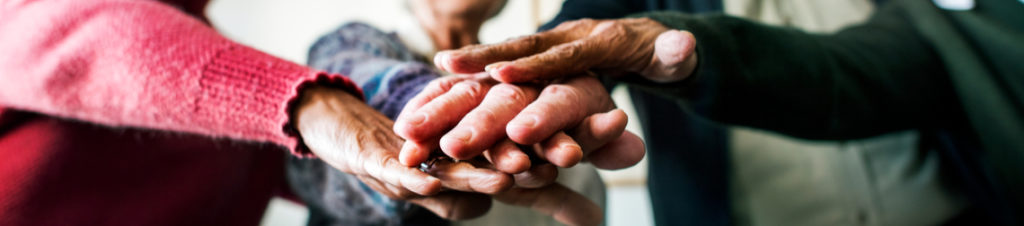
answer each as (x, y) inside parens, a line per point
(490, 68)
(527, 122)
(570, 147)
(517, 155)
(439, 60)
(405, 154)
(416, 119)
(461, 135)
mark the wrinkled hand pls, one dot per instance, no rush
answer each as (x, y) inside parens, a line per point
(469, 115)
(638, 45)
(454, 23)
(354, 138)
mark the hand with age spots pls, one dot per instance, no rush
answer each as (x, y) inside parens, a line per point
(476, 119)
(472, 115)
(568, 109)
(355, 139)
(611, 47)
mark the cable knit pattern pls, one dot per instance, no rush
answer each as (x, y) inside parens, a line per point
(113, 112)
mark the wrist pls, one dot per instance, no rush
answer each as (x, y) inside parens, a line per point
(321, 110)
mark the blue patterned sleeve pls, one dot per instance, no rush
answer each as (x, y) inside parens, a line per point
(388, 72)
(390, 75)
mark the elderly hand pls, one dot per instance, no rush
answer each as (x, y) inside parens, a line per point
(471, 114)
(354, 138)
(637, 45)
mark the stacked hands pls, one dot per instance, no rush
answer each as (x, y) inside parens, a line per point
(531, 96)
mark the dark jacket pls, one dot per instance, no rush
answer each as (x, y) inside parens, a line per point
(687, 156)
(957, 74)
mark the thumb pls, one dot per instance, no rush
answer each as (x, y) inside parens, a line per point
(675, 57)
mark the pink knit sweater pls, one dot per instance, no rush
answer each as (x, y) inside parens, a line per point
(127, 68)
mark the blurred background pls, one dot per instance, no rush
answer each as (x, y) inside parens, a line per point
(287, 28)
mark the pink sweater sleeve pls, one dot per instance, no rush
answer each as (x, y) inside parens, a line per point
(144, 64)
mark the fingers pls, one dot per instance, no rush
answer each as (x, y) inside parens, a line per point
(559, 107)
(442, 112)
(472, 59)
(508, 158)
(569, 58)
(555, 200)
(605, 44)
(597, 130)
(625, 151)
(538, 176)
(561, 150)
(455, 205)
(432, 90)
(463, 176)
(413, 153)
(477, 131)
(384, 167)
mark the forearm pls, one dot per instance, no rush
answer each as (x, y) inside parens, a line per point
(144, 64)
(864, 80)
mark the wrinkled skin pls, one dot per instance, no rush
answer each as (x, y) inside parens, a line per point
(565, 121)
(637, 45)
(357, 140)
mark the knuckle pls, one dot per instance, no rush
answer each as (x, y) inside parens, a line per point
(484, 116)
(512, 93)
(436, 83)
(569, 24)
(569, 50)
(386, 161)
(447, 83)
(442, 84)
(457, 60)
(613, 28)
(472, 88)
(586, 21)
(374, 161)
(563, 92)
(531, 42)
(493, 185)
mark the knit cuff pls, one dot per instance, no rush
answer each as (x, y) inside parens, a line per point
(255, 94)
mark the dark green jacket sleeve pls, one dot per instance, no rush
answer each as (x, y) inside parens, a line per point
(865, 80)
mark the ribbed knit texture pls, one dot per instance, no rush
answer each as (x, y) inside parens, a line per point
(143, 64)
(388, 72)
(390, 75)
(115, 112)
